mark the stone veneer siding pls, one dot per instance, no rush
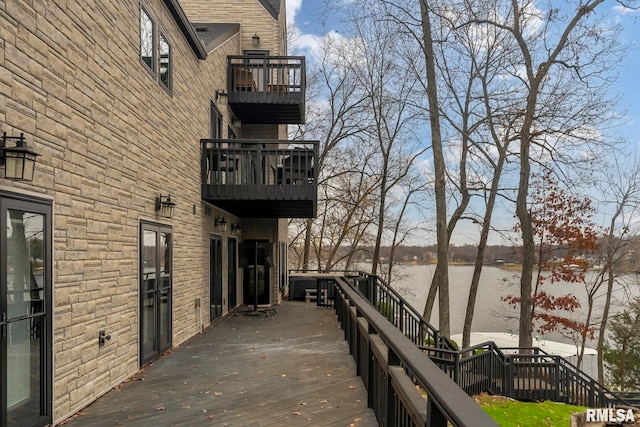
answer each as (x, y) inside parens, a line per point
(111, 139)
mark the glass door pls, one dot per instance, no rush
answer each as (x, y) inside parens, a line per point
(215, 280)
(25, 312)
(155, 291)
(257, 262)
(232, 263)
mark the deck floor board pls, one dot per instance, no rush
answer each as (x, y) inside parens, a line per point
(291, 368)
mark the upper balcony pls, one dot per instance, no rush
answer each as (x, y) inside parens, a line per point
(267, 89)
(260, 178)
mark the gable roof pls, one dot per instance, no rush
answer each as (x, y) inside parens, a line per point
(272, 6)
(213, 35)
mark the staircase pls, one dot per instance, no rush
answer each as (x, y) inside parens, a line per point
(529, 375)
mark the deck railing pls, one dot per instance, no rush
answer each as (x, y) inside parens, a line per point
(267, 170)
(393, 370)
(278, 82)
(399, 312)
(520, 373)
(530, 374)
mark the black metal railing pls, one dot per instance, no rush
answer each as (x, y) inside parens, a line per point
(519, 373)
(529, 374)
(263, 170)
(398, 311)
(404, 387)
(278, 81)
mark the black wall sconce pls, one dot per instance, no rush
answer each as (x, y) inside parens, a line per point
(220, 223)
(222, 96)
(165, 206)
(19, 161)
(256, 39)
(235, 227)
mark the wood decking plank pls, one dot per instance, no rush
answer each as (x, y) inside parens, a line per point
(292, 368)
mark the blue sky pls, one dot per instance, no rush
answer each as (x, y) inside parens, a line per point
(314, 24)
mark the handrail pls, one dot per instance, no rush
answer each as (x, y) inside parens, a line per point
(445, 401)
(570, 384)
(266, 73)
(258, 162)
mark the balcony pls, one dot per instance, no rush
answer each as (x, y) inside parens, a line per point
(260, 178)
(267, 89)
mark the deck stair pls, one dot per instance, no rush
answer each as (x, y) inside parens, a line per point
(530, 374)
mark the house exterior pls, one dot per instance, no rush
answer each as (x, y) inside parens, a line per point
(161, 189)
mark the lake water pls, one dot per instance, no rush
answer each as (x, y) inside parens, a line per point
(492, 314)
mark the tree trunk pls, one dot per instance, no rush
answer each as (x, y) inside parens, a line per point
(381, 209)
(482, 246)
(526, 227)
(441, 278)
(307, 245)
(431, 297)
(603, 325)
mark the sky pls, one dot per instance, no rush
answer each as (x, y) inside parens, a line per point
(313, 24)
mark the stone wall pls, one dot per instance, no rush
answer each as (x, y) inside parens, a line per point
(112, 138)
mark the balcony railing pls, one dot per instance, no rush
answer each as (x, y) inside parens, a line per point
(267, 89)
(260, 178)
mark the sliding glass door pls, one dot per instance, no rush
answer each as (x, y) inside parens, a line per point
(25, 311)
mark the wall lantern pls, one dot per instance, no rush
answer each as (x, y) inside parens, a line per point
(220, 223)
(235, 227)
(19, 161)
(256, 39)
(222, 96)
(165, 206)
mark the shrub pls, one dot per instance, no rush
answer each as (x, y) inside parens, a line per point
(386, 310)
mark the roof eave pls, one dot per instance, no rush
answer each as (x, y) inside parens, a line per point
(186, 28)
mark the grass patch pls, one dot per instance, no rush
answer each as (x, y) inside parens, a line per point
(511, 413)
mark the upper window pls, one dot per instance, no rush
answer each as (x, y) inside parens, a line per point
(147, 40)
(165, 62)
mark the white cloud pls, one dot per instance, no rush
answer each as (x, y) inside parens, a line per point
(622, 10)
(293, 7)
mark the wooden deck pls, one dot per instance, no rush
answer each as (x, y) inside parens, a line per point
(291, 368)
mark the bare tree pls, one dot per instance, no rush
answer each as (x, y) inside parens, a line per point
(557, 50)
(333, 117)
(389, 89)
(620, 188)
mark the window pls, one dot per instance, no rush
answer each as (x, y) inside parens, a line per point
(147, 40)
(155, 50)
(215, 123)
(165, 62)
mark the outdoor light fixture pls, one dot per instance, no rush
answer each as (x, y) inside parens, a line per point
(165, 206)
(235, 226)
(220, 223)
(256, 39)
(19, 161)
(221, 94)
